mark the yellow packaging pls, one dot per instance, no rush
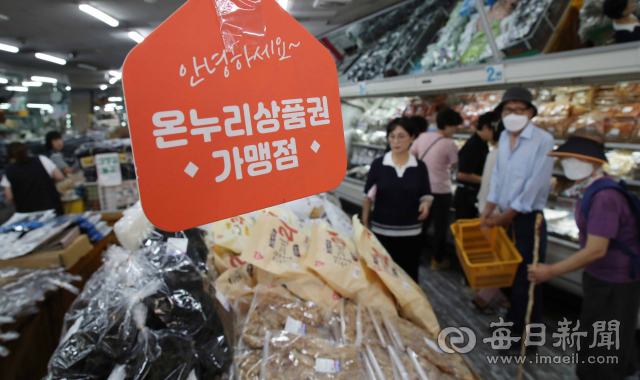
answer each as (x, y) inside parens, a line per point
(233, 233)
(237, 282)
(412, 301)
(224, 259)
(276, 247)
(376, 294)
(333, 257)
(309, 287)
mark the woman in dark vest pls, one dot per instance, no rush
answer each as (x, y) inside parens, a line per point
(29, 182)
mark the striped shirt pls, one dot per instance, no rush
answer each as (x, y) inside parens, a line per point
(58, 159)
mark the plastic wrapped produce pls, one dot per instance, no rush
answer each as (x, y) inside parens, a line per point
(133, 227)
(276, 309)
(143, 315)
(190, 241)
(291, 356)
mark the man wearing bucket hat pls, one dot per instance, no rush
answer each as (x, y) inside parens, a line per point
(606, 215)
(520, 188)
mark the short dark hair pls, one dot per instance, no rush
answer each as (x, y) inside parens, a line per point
(53, 135)
(614, 8)
(403, 122)
(488, 118)
(18, 151)
(448, 118)
(420, 123)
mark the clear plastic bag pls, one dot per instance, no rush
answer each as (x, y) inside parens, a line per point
(241, 22)
(132, 228)
(276, 309)
(292, 356)
(143, 315)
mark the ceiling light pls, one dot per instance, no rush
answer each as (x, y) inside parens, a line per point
(116, 74)
(5, 106)
(68, 88)
(110, 105)
(119, 107)
(115, 99)
(44, 79)
(50, 58)
(283, 4)
(96, 108)
(87, 67)
(104, 87)
(48, 107)
(4, 18)
(9, 48)
(99, 15)
(113, 80)
(136, 37)
(4, 81)
(31, 84)
(17, 89)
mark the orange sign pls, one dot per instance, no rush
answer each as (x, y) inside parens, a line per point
(217, 133)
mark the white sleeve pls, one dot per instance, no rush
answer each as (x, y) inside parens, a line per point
(49, 165)
(5, 182)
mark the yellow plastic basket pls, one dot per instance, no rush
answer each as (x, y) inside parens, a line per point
(488, 257)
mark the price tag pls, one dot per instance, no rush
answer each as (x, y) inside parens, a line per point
(294, 326)
(327, 365)
(108, 169)
(356, 272)
(495, 73)
(219, 130)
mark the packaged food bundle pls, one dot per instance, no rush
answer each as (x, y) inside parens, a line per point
(600, 124)
(247, 364)
(224, 259)
(411, 299)
(405, 334)
(556, 125)
(292, 356)
(359, 324)
(333, 257)
(232, 234)
(236, 282)
(631, 110)
(623, 129)
(276, 246)
(561, 109)
(308, 286)
(627, 89)
(274, 308)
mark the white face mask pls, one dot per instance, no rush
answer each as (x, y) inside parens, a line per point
(515, 123)
(576, 169)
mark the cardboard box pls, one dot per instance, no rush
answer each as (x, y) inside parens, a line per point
(65, 258)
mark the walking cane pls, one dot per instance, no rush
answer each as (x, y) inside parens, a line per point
(536, 254)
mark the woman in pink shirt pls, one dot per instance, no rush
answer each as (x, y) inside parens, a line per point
(438, 151)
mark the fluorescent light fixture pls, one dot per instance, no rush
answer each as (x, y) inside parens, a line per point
(119, 107)
(68, 88)
(283, 4)
(5, 106)
(96, 108)
(47, 107)
(50, 58)
(87, 67)
(113, 80)
(115, 74)
(9, 48)
(136, 36)
(99, 15)
(104, 87)
(17, 88)
(115, 99)
(110, 105)
(4, 81)
(31, 84)
(44, 79)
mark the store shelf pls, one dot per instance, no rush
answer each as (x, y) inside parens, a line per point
(602, 64)
(363, 145)
(351, 190)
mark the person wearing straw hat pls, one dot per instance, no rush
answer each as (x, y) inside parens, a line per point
(609, 253)
(520, 187)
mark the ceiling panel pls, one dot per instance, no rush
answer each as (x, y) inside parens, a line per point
(59, 28)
